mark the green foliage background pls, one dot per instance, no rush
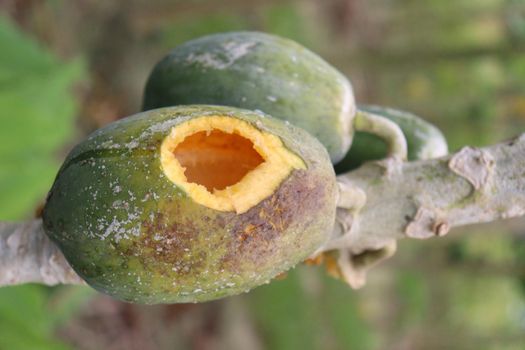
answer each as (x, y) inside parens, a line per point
(67, 68)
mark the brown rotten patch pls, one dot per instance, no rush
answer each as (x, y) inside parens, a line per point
(289, 209)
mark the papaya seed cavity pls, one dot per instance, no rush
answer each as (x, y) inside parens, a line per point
(225, 163)
(216, 159)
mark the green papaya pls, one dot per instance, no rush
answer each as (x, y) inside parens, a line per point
(424, 140)
(191, 203)
(258, 71)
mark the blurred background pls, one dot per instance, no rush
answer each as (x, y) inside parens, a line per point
(69, 67)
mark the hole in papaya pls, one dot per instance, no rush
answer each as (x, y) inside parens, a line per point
(216, 159)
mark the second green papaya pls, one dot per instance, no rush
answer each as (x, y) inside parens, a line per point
(424, 140)
(259, 71)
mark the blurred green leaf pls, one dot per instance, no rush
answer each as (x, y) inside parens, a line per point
(515, 18)
(413, 295)
(66, 301)
(24, 319)
(29, 314)
(37, 118)
(309, 310)
(38, 112)
(491, 248)
(286, 20)
(483, 304)
(286, 314)
(345, 318)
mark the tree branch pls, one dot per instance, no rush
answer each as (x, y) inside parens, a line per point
(28, 255)
(423, 199)
(379, 203)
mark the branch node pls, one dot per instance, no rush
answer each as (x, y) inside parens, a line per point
(473, 164)
(427, 223)
(441, 228)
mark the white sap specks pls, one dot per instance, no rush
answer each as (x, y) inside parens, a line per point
(237, 50)
(110, 144)
(260, 69)
(271, 98)
(132, 144)
(261, 113)
(159, 127)
(131, 196)
(110, 229)
(207, 59)
(121, 226)
(117, 204)
(230, 52)
(157, 237)
(294, 58)
(135, 230)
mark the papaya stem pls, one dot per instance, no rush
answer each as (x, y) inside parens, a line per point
(385, 129)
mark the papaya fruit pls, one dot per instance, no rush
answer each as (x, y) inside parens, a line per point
(191, 203)
(424, 140)
(258, 71)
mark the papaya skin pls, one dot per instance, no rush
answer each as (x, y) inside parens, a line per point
(424, 140)
(258, 71)
(132, 233)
